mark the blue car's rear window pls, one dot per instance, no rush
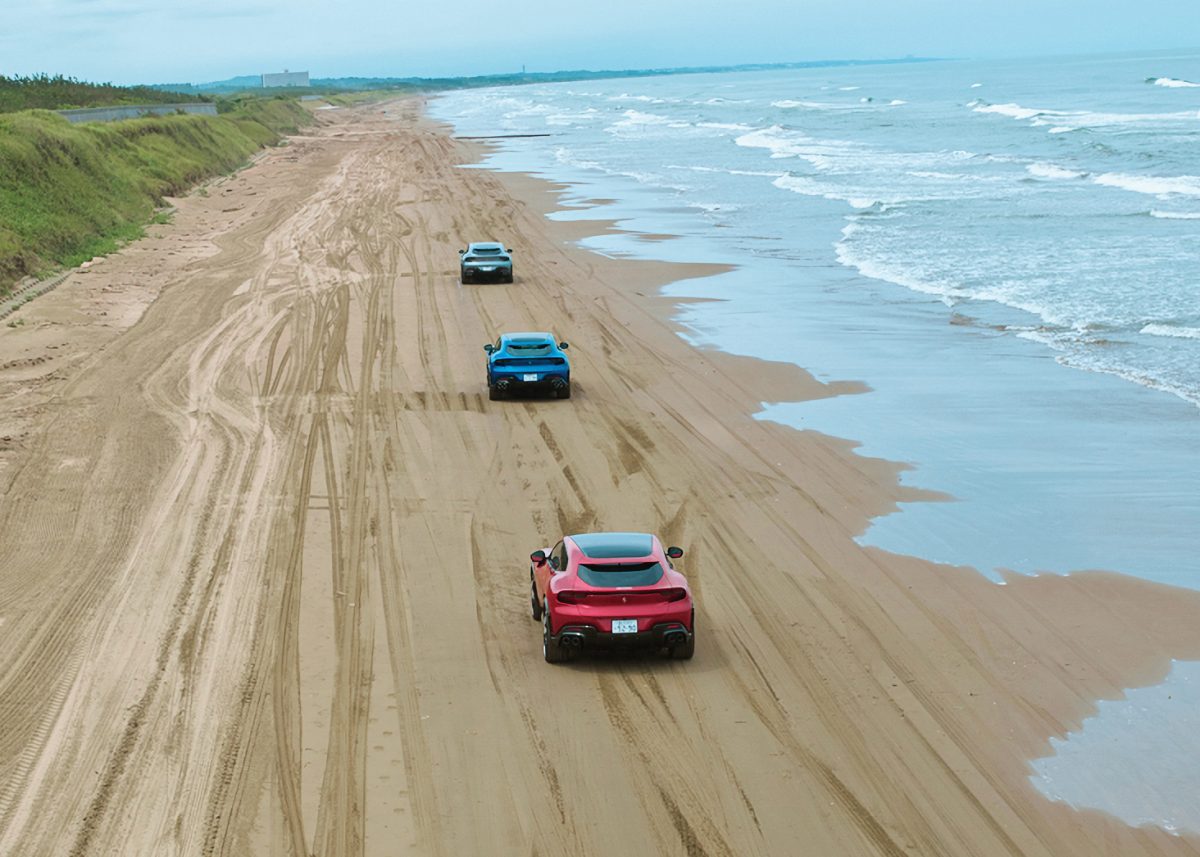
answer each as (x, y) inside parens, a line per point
(529, 349)
(621, 574)
(529, 361)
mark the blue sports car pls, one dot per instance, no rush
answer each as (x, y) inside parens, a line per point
(486, 260)
(519, 362)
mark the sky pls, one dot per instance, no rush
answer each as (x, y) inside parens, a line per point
(194, 41)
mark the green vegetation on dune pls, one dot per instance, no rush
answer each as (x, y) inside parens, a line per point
(69, 192)
(43, 92)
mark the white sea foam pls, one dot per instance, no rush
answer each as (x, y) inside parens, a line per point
(645, 99)
(810, 187)
(1174, 82)
(637, 117)
(896, 102)
(568, 119)
(713, 207)
(849, 88)
(848, 254)
(788, 104)
(1092, 363)
(939, 176)
(785, 143)
(1175, 215)
(806, 186)
(1073, 351)
(637, 123)
(725, 126)
(1062, 121)
(1089, 119)
(1172, 331)
(976, 85)
(566, 157)
(1016, 111)
(1052, 171)
(728, 172)
(1153, 185)
(780, 142)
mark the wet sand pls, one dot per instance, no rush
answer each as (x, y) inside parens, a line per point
(263, 578)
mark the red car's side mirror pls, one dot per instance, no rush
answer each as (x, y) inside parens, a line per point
(537, 557)
(674, 553)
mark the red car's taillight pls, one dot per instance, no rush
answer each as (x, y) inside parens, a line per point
(571, 596)
(676, 594)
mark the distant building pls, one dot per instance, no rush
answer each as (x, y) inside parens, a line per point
(286, 78)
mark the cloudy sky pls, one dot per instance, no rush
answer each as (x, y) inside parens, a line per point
(150, 41)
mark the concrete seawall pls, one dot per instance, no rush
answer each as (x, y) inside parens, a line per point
(133, 111)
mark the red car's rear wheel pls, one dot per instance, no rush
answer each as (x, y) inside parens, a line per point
(552, 650)
(684, 651)
(534, 604)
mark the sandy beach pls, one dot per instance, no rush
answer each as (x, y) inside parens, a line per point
(264, 540)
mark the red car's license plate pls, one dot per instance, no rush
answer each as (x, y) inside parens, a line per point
(624, 626)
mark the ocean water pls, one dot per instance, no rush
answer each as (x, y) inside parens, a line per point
(1127, 761)
(1007, 253)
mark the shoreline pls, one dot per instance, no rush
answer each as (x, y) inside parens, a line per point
(549, 197)
(858, 700)
(1094, 472)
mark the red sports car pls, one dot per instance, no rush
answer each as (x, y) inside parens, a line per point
(611, 590)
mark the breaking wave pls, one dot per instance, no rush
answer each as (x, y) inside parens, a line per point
(1153, 185)
(1172, 82)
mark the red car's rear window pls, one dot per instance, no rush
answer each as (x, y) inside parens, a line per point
(620, 574)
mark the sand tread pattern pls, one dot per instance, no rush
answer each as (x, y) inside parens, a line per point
(287, 612)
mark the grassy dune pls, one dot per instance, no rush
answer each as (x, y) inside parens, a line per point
(70, 192)
(43, 92)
